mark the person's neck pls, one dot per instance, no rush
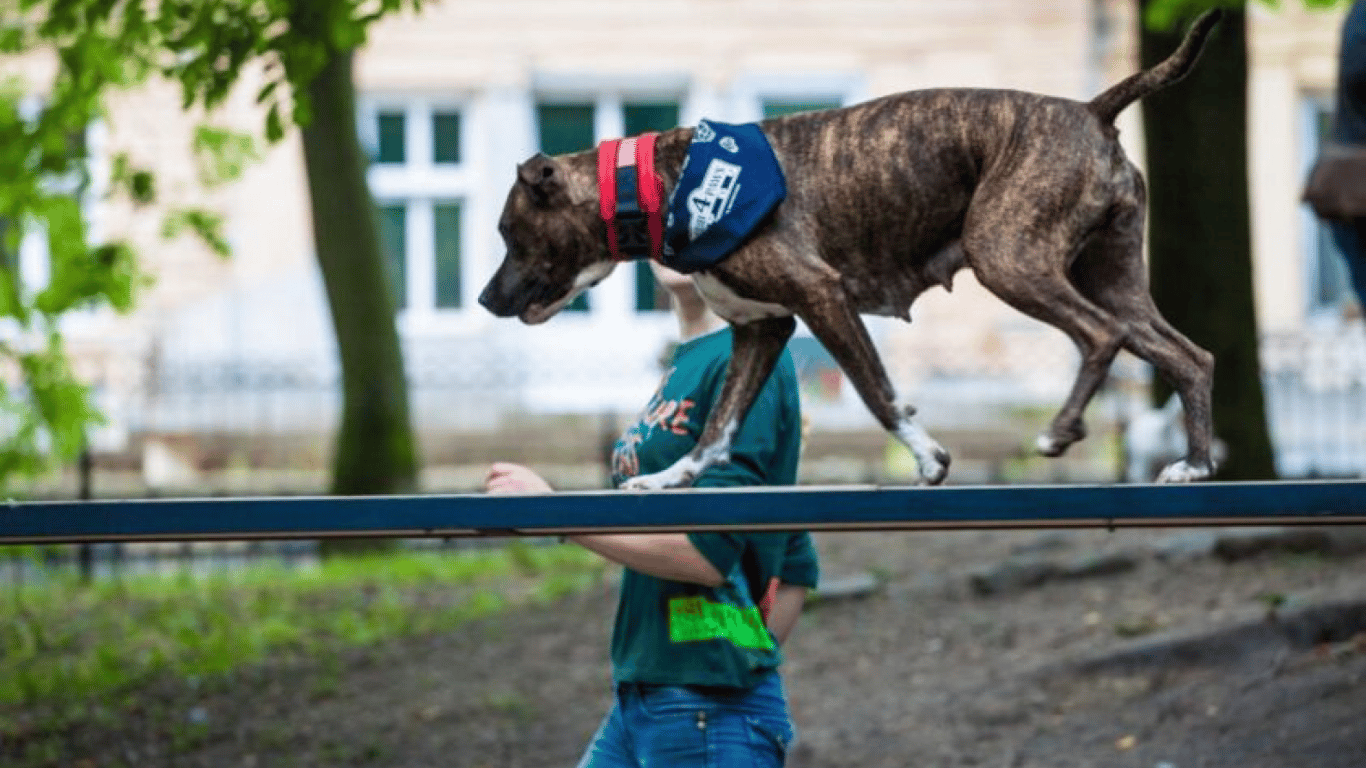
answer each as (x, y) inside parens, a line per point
(695, 319)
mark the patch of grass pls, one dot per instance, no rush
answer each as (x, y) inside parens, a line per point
(512, 705)
(62, 642)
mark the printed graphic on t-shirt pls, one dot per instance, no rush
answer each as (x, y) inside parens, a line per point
(692, 619)
(673, 415)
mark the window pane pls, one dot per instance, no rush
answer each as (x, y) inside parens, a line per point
(446, 137)
(446, 231)
(393, 144)
(642, 117)
(780, 107)
(638, 118)
(393, 240)
(9, 256)
(564, 127)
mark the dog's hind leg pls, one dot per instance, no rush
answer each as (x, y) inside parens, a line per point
(755, 348)
(832, 319)
(1028, 278)
(1112, 274)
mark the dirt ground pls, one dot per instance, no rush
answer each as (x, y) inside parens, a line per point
(1133, 649)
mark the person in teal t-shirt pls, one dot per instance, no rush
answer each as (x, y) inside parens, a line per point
(701, 616)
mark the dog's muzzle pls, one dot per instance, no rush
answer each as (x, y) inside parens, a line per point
(495, 303)
(507, 294)
(510, 294)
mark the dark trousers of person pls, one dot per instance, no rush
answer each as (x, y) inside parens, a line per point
(1351, 239)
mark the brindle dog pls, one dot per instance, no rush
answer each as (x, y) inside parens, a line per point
(887, 199)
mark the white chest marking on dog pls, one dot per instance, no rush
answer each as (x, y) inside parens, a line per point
(730, 305)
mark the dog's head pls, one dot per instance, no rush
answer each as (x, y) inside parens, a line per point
(555, 243)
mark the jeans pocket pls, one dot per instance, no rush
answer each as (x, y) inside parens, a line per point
(771, 733)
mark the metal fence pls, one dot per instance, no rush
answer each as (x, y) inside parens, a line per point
(1316, 402)
(268, 416)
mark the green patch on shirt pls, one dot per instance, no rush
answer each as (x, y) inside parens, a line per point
(692, 619)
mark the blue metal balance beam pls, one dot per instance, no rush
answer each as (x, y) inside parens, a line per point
(848, 508)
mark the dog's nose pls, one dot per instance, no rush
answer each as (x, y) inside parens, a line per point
(487, 299)
(495, 302)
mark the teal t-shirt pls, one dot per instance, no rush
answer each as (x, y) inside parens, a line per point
(688, 634)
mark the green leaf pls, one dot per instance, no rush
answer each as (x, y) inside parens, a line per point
(207, 225)
(275, 129)
(223, 155)
(107, 273)
(61, 216)
(62, 403)
(13, 37)
(138, 183)
(142, 187)
(11, 303)
(266, 91)
(303, 109)
(1163, 15)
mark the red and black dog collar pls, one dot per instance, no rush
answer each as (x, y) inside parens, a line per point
(631, 203)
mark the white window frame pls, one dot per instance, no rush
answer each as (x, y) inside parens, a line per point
(420, 184)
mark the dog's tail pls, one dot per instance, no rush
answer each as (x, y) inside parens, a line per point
(1109, 104)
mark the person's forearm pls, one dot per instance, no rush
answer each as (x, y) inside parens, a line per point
(787, 607)
(662, 555)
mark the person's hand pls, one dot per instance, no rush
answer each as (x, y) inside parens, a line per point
(505, 477)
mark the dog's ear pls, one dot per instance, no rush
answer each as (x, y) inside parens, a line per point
(544, 178)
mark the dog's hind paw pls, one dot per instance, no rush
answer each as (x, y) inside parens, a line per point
(1183, 472)
(1057, 440)
(1047, 445)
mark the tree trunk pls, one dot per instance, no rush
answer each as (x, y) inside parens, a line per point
(375, 450)
(1199, 241)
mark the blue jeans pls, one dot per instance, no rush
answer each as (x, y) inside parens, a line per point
(668, 726)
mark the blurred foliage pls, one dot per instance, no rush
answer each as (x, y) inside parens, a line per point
(101, 47)
(1164, 14)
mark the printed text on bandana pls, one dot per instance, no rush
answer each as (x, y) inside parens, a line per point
(712, 198)
(692, 619)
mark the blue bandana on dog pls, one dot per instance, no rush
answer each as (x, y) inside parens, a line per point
(729, 184)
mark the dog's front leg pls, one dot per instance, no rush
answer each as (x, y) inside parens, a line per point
(755, 349)
(833, 320)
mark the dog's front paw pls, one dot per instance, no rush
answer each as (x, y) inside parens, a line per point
(1183, 472)
(658, 481)
(935, 467)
